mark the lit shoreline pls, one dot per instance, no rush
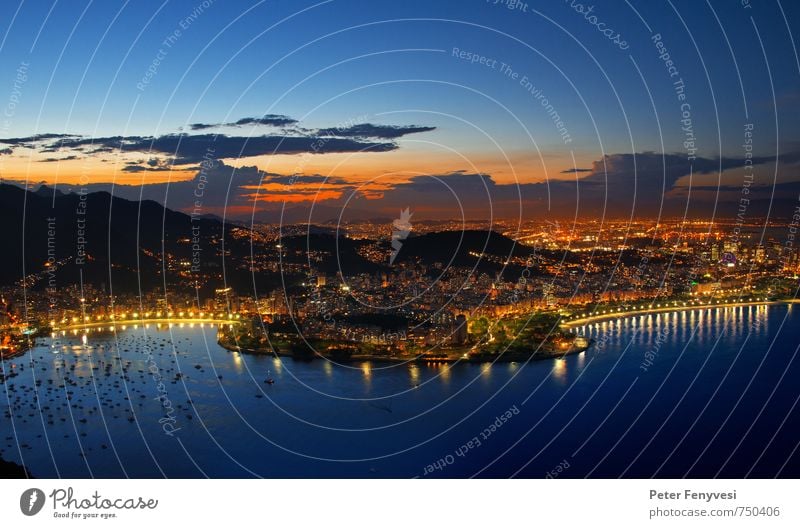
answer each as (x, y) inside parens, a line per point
(647, 311)
(135, 322)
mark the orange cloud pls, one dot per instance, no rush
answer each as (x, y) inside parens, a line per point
(294, 197)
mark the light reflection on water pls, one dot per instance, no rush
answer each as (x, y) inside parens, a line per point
(321, 410)
(414, 374)
(444, 373)
(238, 362)
(560, 370)
(701, 326)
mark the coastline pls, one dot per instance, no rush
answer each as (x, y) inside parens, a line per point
(12, 470)
(624, 315)
(135, 322)
(508, 357)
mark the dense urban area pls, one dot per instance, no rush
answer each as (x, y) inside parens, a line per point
(502, 291)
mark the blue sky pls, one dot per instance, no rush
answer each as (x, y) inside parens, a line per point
(393, 63)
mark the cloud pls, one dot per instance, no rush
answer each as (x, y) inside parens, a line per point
(368, 130)
(454, 181)
(652, 172)
(213, 185)
(142, 168)
(268, 119)
(185, 148)
(303, 178)
(575, 171)
(152, 165)
(608, 191)
(362, 130)
(28, 140)
(51, 160)
(617, 185)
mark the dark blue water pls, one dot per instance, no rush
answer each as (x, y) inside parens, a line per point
(699, 394)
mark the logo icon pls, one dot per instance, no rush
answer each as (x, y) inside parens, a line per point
(401, 227)
(31, 501)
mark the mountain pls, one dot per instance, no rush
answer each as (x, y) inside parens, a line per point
(331, 254)
(97, 237)
(48, 192)
(487, 251)
(12, 470)
(100, 239)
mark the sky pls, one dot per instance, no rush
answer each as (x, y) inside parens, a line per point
(475, 108)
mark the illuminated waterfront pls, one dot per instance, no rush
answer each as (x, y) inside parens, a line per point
(699, 392)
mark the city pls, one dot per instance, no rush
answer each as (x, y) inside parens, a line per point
(509, 295)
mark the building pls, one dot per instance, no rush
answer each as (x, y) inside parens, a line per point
(460, 333)
(222, 300)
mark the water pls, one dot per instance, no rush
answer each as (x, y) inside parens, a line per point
(717, 397)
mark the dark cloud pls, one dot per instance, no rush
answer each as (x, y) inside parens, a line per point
(143, 168)
(269, 119)
(368, 130)
(187, 148)
(612, 189)
(203, 126)
(213, 185)
(26, 141)
(100, 150)
(477, 196)
(451, 181)
(651, 171)
(310, 178)
(51, 160)
(363, 130)
(618, 185)
(575, 170)
(152, 165)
